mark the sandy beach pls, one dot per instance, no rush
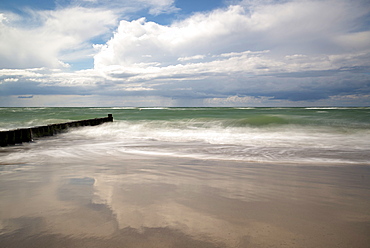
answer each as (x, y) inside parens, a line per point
(158, 201)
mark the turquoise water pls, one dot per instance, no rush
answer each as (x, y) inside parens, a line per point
(286, 135)
(258, 117)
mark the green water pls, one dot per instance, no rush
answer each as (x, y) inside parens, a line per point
(11, 118)
(310, 135)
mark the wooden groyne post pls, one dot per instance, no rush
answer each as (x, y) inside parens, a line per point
(19, 136)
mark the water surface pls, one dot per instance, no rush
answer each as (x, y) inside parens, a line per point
(191, 177)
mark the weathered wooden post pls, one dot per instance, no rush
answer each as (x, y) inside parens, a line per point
(18, 136)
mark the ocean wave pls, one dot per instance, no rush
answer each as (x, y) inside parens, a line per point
(113, 108)
(218, 133)
(261, 134)
(319, 108)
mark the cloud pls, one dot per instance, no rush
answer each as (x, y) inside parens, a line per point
(248, 53)
(301, 34)
(43, 81)
(154, 7)
(25, 97)
(52, 34)
(195, 57)
(53, 38)
(293, 39)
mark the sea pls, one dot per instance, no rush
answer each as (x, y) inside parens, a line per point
(297, 136)
(188, 177)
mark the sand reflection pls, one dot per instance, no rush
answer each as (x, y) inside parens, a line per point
(171, 202)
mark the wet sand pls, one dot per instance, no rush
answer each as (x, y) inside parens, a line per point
(147, 201)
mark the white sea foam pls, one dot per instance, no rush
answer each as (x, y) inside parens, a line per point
(215, 133)
(337, 108)
(212, 140)
(151, 108)
(107, 108)
(251, 135)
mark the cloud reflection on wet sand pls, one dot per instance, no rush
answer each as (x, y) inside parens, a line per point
(179, 202)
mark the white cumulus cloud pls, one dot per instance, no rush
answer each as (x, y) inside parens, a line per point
(309, 28)
(249, 52)
(54, 33)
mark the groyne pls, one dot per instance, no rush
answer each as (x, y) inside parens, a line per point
(21, 135)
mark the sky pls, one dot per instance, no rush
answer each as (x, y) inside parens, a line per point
(188, 53)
